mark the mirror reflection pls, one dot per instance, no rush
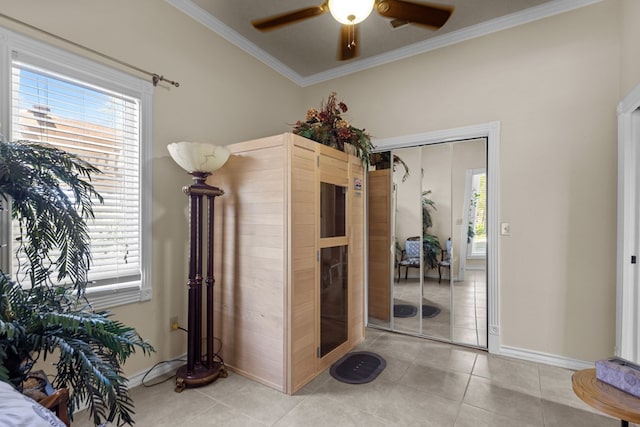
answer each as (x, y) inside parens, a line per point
(427, 241)
(408, 239)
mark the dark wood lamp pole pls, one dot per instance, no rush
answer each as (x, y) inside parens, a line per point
(199, 370)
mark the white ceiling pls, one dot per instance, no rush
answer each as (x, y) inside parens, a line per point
(306, 51)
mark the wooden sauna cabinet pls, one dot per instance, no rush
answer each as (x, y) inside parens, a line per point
(274, 313)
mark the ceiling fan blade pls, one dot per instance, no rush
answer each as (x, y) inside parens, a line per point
(349, 42)
(273, 22)
(431, 15)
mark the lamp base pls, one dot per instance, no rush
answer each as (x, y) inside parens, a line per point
(200, 376)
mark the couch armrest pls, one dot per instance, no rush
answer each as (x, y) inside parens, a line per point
(57, 402)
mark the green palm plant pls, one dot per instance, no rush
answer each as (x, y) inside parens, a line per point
(32, 176)
(42, 307)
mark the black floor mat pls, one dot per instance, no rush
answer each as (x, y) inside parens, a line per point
(404, 310)
(359, 367)
(430, 311)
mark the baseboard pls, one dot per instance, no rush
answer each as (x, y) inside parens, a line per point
(162, 369)
(545, 358)
(517, 353)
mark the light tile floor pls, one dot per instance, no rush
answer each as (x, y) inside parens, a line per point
(469, 299)
(425, 383)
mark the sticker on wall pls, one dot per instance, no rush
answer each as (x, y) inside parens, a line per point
(357, 183)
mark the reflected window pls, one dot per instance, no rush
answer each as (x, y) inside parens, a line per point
(332, 210)
(477, 227)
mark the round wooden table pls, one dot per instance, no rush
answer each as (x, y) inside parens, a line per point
(605, 397)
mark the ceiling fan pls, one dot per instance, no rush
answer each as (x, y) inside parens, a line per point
(351, 12)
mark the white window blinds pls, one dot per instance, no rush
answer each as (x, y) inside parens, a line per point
(102, 127)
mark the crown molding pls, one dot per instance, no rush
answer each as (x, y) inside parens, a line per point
(498, 24)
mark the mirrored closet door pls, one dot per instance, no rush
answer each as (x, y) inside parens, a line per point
(427, 241)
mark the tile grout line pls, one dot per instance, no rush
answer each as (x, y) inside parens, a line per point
(542, 414)
(466, 388)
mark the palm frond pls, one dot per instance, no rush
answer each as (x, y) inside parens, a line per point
(34, 177)
(52, 198)
(91, 347)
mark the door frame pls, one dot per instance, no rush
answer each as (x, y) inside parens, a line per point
(627, 292)
(490, 131)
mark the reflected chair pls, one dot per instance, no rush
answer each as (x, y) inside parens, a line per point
(410, 256)
(445, 260)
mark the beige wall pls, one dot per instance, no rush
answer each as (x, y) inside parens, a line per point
(553, 84)
(630, 45)
(224, 96)
(407, 206)
(436, 166)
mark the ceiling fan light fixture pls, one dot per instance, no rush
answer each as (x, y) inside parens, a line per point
(350, 12)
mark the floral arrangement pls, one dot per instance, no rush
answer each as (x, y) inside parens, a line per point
(328, 127)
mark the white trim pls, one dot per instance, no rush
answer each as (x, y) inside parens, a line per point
(545, 358)
(109, 296)
(493, 236)
(535, 13)
(491, 131)
(166, 368)
(146, 193)
(627, 293)
(455, 134)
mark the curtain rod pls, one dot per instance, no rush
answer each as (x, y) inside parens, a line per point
(155, 78)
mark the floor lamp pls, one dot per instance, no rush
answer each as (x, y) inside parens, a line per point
(200, 160)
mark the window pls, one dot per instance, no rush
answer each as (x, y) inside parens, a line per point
(103, 116)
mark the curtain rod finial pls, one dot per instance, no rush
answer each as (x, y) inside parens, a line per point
(157, 78)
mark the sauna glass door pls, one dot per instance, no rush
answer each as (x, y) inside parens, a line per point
(334, 277)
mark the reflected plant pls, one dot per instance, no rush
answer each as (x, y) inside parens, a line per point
(430, 243)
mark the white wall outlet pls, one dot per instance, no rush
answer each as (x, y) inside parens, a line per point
(505, 229)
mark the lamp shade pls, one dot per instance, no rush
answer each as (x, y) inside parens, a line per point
(198, 156)
(350, 11)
